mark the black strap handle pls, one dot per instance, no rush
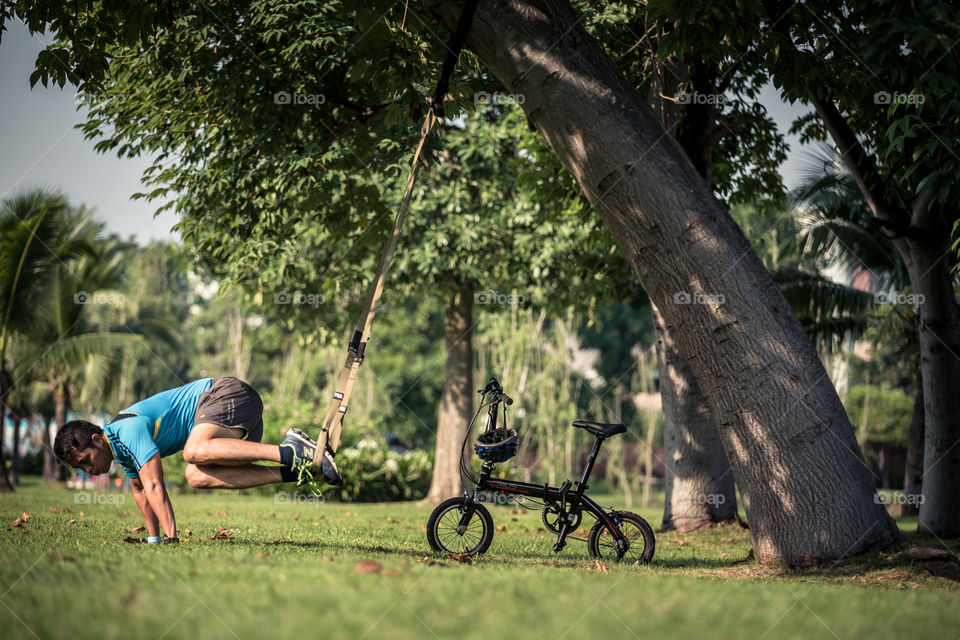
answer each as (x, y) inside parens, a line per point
(453, 54)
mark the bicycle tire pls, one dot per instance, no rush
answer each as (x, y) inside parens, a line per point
(595, 542)
(443, 538)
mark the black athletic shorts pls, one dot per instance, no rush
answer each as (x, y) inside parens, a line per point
(231, 402)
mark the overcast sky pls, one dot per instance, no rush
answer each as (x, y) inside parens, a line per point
(41, 147)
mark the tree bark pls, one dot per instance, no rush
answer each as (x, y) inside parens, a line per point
(698, 480)
(456, 404)
(806, 490)
(940, 374)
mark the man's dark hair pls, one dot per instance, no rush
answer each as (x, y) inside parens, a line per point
(73, 437)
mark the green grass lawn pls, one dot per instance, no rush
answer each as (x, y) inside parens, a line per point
(290, 571)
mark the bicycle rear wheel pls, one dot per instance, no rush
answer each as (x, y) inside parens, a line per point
(600, 542)
(445, 534)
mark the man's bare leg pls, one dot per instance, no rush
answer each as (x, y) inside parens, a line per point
(215, 476)
(213, 444)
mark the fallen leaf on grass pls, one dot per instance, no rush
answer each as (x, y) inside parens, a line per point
(597, 566)
(893, 575)
(726, 540)
(296, 516)
(368, 566)
(66, 509)
(423, 527)
(124, 514)
(430, 562)
(133, 540)
(21, 520)
(72, 521)
(463, 558)
(501, 527)
(390, 572)
(393, 520)
(52, 510)
(221, 513)
(724, 555)
(316, 524)
(222, 534)
(188, 533)
(263, 554)
(135, 529)
(681, 543)
(61, 558)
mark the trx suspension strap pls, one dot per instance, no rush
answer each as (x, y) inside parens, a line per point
(329, 438)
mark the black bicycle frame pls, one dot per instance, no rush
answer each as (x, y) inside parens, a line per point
(571, 504)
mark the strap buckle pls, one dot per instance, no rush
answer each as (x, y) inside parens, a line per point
(356, 348)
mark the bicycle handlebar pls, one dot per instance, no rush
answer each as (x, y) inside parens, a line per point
(498, 395)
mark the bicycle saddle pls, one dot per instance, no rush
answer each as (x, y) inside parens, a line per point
(600, 428)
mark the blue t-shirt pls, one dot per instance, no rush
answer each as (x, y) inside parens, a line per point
(160, 424)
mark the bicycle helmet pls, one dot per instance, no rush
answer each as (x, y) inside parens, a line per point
(497, 445)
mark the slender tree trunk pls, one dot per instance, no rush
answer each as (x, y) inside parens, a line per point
(913, 473)
(806, 490)
(940, 375)
(49, 463)
(5, 484)
(456, 404)
(698, 479)
(61, 407)
(15, 450)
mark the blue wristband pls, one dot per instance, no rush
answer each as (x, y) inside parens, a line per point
(154, 539)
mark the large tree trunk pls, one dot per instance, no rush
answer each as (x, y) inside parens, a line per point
(940, 374)
(698, 480)
(5, 484)
(49, 463)
(806, 491)
(456, 404)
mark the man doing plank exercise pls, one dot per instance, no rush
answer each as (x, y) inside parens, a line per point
(216, 422)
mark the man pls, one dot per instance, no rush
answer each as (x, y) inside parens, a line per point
(217, 423)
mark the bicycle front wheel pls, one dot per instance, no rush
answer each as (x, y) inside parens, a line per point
(600, 542)
(449, 532)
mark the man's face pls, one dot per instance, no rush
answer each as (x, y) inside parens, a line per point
(95, 459)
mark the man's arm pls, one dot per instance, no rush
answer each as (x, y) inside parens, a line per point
(149, 517)
(151, 478)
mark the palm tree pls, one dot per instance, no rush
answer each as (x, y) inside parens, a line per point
(29, 246)
(76, 340)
